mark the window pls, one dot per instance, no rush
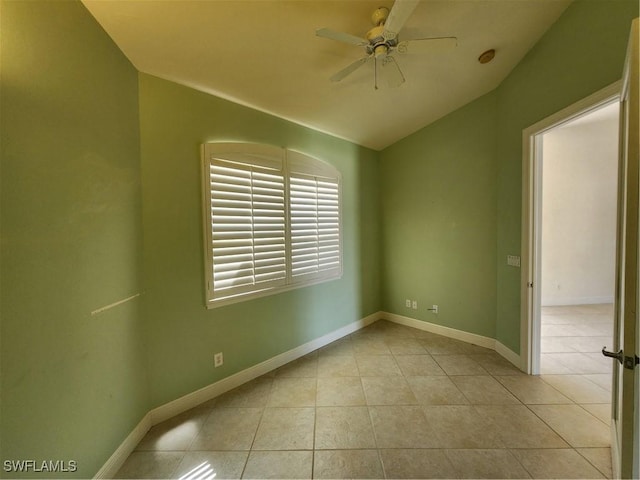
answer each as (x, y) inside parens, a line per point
(271, 220)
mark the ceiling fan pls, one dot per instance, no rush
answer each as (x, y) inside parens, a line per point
(384, 39)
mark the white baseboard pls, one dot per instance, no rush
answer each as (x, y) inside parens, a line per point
(111, 467)
(441, 330)
(193, 399)
(508, 354)
(479, 340)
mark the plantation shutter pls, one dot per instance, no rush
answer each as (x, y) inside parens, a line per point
(248, 231)
(271, 221)
(315, 226)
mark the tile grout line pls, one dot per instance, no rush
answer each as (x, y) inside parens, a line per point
(384, 336)
(255, 434)
(590, 462)
(315, 423)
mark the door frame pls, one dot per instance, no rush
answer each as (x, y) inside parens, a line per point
(530, 291)
(626, 387)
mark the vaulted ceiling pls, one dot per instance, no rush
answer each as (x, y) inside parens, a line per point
(265, 54)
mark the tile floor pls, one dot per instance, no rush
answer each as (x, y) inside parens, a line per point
(572, 338)
(571, 360)
(388, 402)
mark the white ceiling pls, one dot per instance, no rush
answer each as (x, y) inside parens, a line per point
(265, 54)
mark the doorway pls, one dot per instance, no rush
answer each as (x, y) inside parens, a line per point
(567, 280)
(579, 194)
(570, 213)
(625, 403)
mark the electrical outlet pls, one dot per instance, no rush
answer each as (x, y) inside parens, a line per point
(218, 360)
(414, 304)
(434, 308)
(407, 303)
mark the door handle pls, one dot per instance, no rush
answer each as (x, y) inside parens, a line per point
(628, 362)
(618, 356)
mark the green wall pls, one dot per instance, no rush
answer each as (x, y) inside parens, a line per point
(582, 53)
(94, 157)
(439, 217)
(101, 200)
(438, 223)
(182, 334)
(73, 385)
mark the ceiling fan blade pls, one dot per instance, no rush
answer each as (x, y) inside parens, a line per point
(349, 69)
(387, 72)
(399, 14)
(424, 45)
(341, 37)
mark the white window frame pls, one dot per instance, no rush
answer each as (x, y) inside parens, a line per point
(319, 185)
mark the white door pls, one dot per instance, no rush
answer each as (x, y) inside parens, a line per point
(626, 398)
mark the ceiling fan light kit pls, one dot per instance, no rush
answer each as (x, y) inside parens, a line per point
(380, 15)
(384, 39)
